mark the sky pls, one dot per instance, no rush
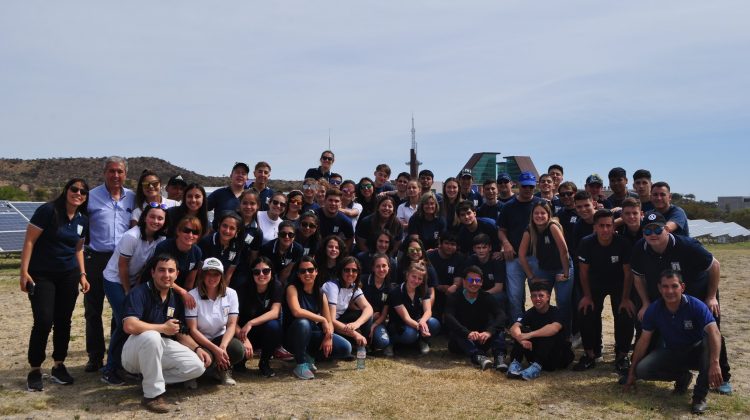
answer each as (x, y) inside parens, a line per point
(587, 84)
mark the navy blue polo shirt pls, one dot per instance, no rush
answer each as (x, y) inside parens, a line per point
(383, 188)
(428, 231)
(446, 269)
(339, 225)
(398, 297)
(280, 262)
(317, 173)
(493, 271)
(220, 201)
(681, 329)
(310, 207)
(632, 237)
(186, 261)
(55, 249)
(683, 254)
(515, 218)
(210, 246)
(581, 230)
(613, 201)
(466, 238)
(677, 215)
(489, 211)
(474, 197)
(364, 230)
(605, 262)
(376, 296)
(264, 196)
(144, 302)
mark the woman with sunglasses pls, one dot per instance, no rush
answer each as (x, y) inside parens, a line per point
(451, 198)
(376, 286)
(251, 239)
(283, 252)
(309, 189)
(410, 319)
(427, 224)
(383, 245)
(148, 192)
(351, 312)
(320, 194)
(260, 315)
(227, 244)
(308, 234)
(332, 251)
(384, 218)
(294, 209)
(52, 268)
(409, 205)
(366, 196)
(349, 206)
(309, 324)
(193, 204)
(121, 274)
(187, 254)
(213, 321)
(414, 252)
(269, 221)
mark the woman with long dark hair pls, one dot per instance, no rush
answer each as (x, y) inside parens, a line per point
(376, 287)
(148, 192)
(451, 198)
(52, 268)
(308, 233)
(350, 311)
(366, 196)
(226, 244)
(384, 218)
(193, 204)
(330, 253)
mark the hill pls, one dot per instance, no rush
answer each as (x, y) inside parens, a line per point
(41, 179)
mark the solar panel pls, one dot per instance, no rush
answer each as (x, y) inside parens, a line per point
(5, 207)
(14, 217)
(27, 208)
(12, 221)
(12, 241)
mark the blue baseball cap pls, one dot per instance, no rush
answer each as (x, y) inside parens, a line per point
(526, 179)
(504, 177)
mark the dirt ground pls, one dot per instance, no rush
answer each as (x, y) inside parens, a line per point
(436, 386)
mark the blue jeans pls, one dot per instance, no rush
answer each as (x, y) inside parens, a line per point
(563, 289)
(267, 337)
(304, 336)
(496, 344)
(409, 335)
(116, 297)
(380, 337)
(515, 288)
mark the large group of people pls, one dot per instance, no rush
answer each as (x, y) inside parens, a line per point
(342, 267)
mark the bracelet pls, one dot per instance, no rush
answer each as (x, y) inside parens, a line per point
(196, 349)
(83, 274)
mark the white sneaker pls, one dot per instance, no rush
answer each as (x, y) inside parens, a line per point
(424, 348)
(226, 378)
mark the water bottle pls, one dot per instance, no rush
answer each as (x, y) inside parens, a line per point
(361, 355)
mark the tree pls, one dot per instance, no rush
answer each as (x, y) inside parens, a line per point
(741, 217)
(10, 192)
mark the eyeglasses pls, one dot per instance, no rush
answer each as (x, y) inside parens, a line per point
(334, 181)
(414, 250)
(474, 280)
(655, 231)
(278, 203)
(350, 270)
(366, 186)
(286, 234)
(566, 194)
(153, 184)
(309, 270)
(76, 190)
(306, 225)
(259, 271)
(327, 158)
(296, 202)
(309, 187)
(155, 205)
(195, 232)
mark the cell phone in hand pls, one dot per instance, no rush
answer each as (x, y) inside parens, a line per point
(30, 287)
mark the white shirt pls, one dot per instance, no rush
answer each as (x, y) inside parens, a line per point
(342, 298)
(270, 228)
(136, 250)
(213, 315)
(169, 203)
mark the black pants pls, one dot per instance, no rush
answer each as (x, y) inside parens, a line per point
(591, 322)
(550, 352)
(52, 305)
(93, 303)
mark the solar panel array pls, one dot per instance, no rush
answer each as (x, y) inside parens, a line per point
(14, 217)
(715, 230)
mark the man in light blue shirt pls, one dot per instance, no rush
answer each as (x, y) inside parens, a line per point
(110, 207)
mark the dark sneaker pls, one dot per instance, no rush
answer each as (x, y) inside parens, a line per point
(34, 381)
(698, 406)
(682, 384)
(482, 361)
(584, 363)
(60, 375)
(622, 364)
(155, 405)
(265, 369)
(500, 364)
(112, 378)
(93, 365)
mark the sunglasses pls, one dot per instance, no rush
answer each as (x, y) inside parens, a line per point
(309, 270)
(335, 182)
(286, 234)
(306, 225)
(327, 158)
(76, 190)
(296, 202)
(195, 232)
(474, 280)
(278, 203)
(350, 270)
(259, 271)
(153, 184)
(566, 194)
(655, 231)
(347, 190)
(155, 205)
(309, 187)
(366, 186)
(414, 250)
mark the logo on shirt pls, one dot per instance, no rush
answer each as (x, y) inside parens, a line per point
(491, 277)
(335, 229)
(249, 239)
(79, 229)
(687, 324)
(573, 219)
(192, 266)
(615, 259)
(546, 240)
(232, 254)
(266, 302)
(225, 309)
(676, 266)
(384, 297)
(451, 269)
(170, 312)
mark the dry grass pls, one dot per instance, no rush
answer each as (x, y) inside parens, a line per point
(438, 386)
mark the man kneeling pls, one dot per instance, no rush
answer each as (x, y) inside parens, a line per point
(539, 337)
(691, 341)
(159, 346)
(475, 322)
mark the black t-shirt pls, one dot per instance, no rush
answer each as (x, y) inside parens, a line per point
(493, 271)
(568, 219)
(377, 296)
(532, 320)
(398, 297)
(55, 249)
(515, 218)
(489, 211)
(339, 225)
(256, 304)
(547, 252)
(186, 261)
(605, 262)
(466, 238)
(428, 230)
(365, 230)
(580, 231)
(446, 269)
(281, 261)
